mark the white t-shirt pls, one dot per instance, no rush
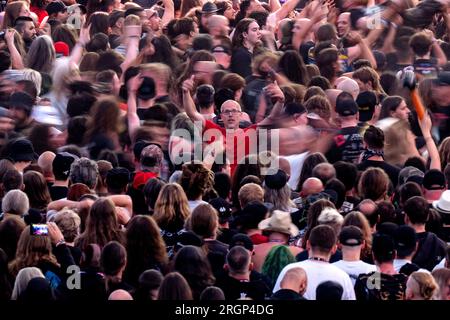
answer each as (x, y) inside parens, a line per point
(194, 203)
(296, 162)
(318, 272)
(440, 265)
(355, 268)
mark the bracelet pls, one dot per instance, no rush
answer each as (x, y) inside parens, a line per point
(60, 242)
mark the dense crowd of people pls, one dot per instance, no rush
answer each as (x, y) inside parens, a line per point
(224, 150)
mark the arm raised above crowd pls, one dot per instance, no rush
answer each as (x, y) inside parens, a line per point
(188, 103)
(169, 12)
(132, 117)
(16, 58)
(433, 153)
(78, 49)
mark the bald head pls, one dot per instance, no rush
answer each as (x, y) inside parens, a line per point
(343, 24)
(311, 186)
(120, 295)
(350, 86)
(324, 171)
(45, 161)
(295, 279)
(218, 25)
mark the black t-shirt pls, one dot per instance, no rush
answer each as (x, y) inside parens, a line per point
(391, 171)
(426, 67)
(377, 286)
(286, 294)
(430, 252)
(241, 62)
(251, 95)
(235, 289)
(58, 192)
(347, 146)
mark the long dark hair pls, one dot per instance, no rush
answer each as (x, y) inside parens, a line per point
(145, 246)
(311, 161)
(163, 52)
(241, 27)
(193, 265)
(36, 190)
(293, 67)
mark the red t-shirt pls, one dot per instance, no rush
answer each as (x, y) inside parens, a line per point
(238, 143)
(41, 13)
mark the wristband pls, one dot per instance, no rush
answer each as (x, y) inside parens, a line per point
(60, 242)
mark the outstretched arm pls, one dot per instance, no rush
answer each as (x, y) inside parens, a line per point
(16, 58)
(188, 102)
(132, 117)
(169, 12)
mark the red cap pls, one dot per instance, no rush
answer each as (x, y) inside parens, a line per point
(62, 48)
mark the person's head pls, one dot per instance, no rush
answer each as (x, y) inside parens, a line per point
(295, 279)
(36, 189)
(417, 211)
(247, 34)
(331, 217)
(327, 61)
(84, 171)
(192, 263)
(238, 261)
(351, 239)
(151, 191)
(277, 191)
(25, 27)
(230, 113)
(234, 82)
(12, 179)
(212, 293)
(31, 250)
(148, 285)
(322, 241)
(383, 248)
(293, 67)
(120, 295)
(250, 192)
(174, 287)
(367, 79)
(196, 179)
(143, 243)
(374, 138)
(218, 25)
(347, 173)
(61, 165)
(420, 44)
(311, 186)
(171, 207)
(374, 184)
(311, 161)
(442, 277)
(320, 106)
(394, 106)
(41, 54)
(324, 171)
(204, 221)
(14, 10)
(15, 202)
(343, 24)
(113, 259)
(421, 286)
(57, 10)
(101, 225)
(24, 276)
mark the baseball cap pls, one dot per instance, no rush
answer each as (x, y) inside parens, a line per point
(243, 240)
(21, 100)
(434, 180)
(62, 162)
(209, 7)
(405, 240)
(351, 236)
(329, 291)
(221, 48)
(152, 156)
(61, 49)
(223, 208)
(346, 107)
(55, 7)
(383, 247)
(408, 172)
(366, 101)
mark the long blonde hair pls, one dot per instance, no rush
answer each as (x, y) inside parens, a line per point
(397, 146)
(171, 207)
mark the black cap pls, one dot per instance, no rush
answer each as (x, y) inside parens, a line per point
(188, 238)
(383, 246)
(209, 7)
(61, 164)
(243, 240)
(366, 101)
(251, 215)
(21, 100)
(405, 240)
(117, 178)
(434, 180)
(223, 208)
(351, 236)
(55, 7)
(22, 150)
(221, 48)
(276, 181)
(388, 228)
(147, 89)
(346, 107)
